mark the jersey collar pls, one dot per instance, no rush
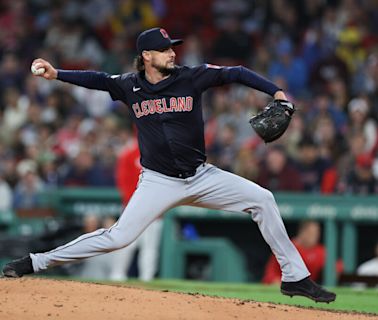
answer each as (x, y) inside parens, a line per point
(161, 85)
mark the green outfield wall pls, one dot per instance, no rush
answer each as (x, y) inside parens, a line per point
(340, 215)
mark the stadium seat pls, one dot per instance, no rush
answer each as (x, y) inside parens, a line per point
(227, 263)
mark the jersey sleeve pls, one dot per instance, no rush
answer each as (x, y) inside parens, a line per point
(114, 84)
(208, 75)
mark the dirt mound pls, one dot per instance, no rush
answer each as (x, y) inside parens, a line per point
(35, 298)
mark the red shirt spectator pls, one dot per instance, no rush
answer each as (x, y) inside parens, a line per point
(314, 259)
(277, 173)
(313, 254)
(128, 170)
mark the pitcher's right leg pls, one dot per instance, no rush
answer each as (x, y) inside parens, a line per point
(219, 189)
(223, 190)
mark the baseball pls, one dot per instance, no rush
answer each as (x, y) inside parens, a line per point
(36, 71)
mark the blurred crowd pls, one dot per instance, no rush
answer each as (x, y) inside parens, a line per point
(324, 54)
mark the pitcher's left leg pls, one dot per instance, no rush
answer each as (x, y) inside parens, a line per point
(222, 190)
(155, 195)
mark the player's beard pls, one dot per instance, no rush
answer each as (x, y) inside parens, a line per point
(164, 70)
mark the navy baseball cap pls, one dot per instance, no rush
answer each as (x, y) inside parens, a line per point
(155, 39)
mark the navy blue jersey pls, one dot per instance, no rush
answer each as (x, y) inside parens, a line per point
(168, 115)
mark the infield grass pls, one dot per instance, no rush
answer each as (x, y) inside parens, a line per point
(348, 299)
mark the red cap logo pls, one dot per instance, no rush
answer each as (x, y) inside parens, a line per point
(164, 33)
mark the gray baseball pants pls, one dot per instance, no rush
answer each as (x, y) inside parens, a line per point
(210, 187)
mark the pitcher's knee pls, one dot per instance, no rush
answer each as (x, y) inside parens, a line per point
(120, 240)
(261, 201)
(267, 197)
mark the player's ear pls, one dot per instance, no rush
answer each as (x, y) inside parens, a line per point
(146, 55)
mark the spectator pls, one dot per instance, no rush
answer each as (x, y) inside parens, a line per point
(370, 267)
(103, 168)
(224, 150)
(350, 49)
(128, 169)
(293, 135)
(261, 60)
(80, 171)
(324, 107)
(193, 53)
(50, 111)
(358, 110)
(15, 112)
(8, 165)
(311, 166)
(246, 164)
(361, 179)
(365, 80)
(339, 92)
(346, 163)
(97, 102)
(33, 91)
(29, 131)
(11, 75)
(277, 173)
(331, 143)
(328, 68)
(313, 253)
(233, 45)
(285, 19)
(27, 193)
(312, 47)
(292, 68)
(116, 57)
(223, 9)
(6, 195)
(68, 137)
(49, 172)
(133, 16)
(241, 110)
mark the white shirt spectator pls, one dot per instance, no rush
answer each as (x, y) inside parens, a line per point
(5, 196)
(368, 268)
(97, 103)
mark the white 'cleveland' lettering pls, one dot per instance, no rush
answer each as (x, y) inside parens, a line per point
(147, 107)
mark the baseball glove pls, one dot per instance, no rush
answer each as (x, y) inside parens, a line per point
(272, 122)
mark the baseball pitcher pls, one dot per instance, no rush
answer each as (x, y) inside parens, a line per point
(165, 104)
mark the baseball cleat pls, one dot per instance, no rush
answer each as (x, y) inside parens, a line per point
(307, 288)
(18, 268)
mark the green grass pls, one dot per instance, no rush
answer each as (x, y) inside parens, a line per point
(348, 299)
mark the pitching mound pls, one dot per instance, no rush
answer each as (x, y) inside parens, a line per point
(34, 298)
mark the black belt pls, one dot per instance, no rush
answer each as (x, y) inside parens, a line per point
(184, 174)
